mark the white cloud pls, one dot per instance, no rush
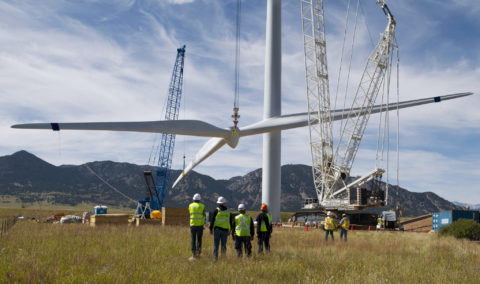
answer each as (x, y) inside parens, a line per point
(180, 1)
(469, 6)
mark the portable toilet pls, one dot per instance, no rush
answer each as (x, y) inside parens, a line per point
(100, 209)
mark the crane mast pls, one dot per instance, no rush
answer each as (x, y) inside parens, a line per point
(331, 169)
(157, 187)
(167, 143)
(318, 93)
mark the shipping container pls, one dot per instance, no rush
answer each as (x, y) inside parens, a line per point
(445, 218)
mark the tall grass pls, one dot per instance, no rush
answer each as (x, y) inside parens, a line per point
(74, 253)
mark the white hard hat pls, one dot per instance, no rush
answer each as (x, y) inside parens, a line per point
(329, 213)
(197, 197)
(221, 200)
(241, 207)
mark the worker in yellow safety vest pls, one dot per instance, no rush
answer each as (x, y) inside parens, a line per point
(344, 224)
(379, 223)
(220, 225)
(264, 228)
(197, 220)
(244, 232)
(329, 226)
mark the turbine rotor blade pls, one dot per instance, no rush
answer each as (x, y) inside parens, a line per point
(400, 105)
(290, 121)
(212, 145)
(181, 127)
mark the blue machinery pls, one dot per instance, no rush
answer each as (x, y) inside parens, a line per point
(157, 187)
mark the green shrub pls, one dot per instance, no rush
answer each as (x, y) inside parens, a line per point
(462, 228)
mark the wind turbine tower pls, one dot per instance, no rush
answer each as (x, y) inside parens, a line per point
(272, 107)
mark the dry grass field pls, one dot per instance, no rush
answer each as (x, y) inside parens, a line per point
(74, 253)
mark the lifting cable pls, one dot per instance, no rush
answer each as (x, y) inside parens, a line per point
(394, 46)
(151, 158)
(383, 139)
(349, 64)
(387, 124)
(341, 56)
(398, 126)
(381, 114)
(366, 24)
(235, 115)
(155, 151)
(183, 115)
(109, 185)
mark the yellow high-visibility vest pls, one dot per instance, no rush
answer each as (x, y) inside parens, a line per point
(242, 225)
(196, 214)
(329, 224)
(222, 220)
(263, 227)
(346, 223)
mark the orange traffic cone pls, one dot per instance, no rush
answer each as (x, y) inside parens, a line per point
(306, 228)
(351, 229)
(368, 228)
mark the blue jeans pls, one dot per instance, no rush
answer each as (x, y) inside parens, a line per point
(196, 232)
(328, 232)
(219, 235)
(343, 232)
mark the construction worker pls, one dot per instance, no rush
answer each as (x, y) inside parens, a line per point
(197, 220)
(329, 225)
(244, 232)
(264, 228)
(379, 223)
(220, 226)
(344, 224)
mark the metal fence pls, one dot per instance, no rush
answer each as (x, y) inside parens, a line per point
(6, 224)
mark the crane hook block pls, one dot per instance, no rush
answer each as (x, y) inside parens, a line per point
(235, 117)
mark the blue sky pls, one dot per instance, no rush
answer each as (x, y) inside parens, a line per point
(112, 61)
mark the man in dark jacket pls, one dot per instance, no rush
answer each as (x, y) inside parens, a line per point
(220, 225)
(244, 232)
(264, 229)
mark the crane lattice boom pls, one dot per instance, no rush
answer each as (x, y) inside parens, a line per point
(365, 96)
(318, 93)
(167, 141)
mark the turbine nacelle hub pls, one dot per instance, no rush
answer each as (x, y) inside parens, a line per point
(232, 141)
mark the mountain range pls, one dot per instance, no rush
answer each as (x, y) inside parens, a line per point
(26, 179)
(467, 205)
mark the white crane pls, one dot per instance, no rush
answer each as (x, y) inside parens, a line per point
(331, 169)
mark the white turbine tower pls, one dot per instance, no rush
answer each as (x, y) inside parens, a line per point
(272, 100)
(271, 125)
